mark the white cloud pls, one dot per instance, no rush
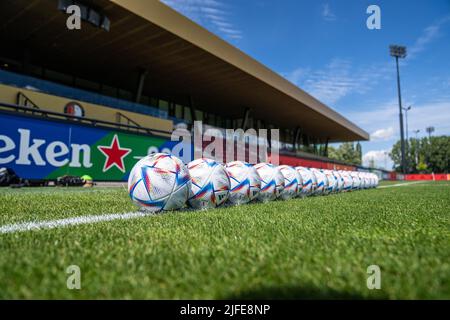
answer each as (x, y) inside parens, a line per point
(340, 77)
(379, 158)
(296, 75)
(337, 79)
(429, 34)
(385, 115)
(327, 14)
(382, 134)
(212, 14)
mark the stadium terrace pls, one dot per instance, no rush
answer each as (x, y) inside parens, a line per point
(129, 85)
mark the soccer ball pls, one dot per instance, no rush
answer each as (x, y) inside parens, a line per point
(348, 181)
(210, 185)
(322, 181)
(363, 178)
(245, 182)
(371, 178)
(314, 181)
(376, 180)
(159, 182)
(340, 181)
(272, 181)
(332, 182)
(356, 180)
(307, 181)
(292, 182)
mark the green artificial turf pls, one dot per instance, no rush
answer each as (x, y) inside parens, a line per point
(318, 247)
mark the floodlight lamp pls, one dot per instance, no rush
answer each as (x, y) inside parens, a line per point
(398, 51)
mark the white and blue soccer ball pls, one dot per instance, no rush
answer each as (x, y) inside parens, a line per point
(375, 180)
(245, 183)
(272, 181)
(292, 182)
(356, 180)
(348, 181)
(340, 180)
(159, 182)
(332, 182)
(314, 181)
(372, 179)
(210, 185)
(364, 182)
(322, 181)
(308, 178)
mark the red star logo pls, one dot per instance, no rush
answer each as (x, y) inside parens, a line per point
(114, 155)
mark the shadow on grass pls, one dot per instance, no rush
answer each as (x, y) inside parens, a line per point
(303, 293)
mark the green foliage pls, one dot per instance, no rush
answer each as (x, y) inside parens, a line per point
(424, 155)
(346, 152)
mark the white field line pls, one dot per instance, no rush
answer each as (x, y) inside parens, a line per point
(400, 184)
(52, 224)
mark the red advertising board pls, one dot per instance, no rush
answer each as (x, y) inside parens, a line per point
(294, 161)
(441, 176)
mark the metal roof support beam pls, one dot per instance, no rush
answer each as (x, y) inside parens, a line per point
(245, 119)
(314, 141)
(297, 137)
(325, 150)
(140, 86)
(306, 141)
(192, 109)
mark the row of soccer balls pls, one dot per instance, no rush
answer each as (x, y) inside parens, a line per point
(162, 182)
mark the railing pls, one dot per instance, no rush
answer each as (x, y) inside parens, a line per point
(23, 100)
(130, 122)
(56, 89)
(6, 107)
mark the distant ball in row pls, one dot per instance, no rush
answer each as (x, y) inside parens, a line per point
(245, 183)
(210, 185)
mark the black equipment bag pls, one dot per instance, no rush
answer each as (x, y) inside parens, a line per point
(8, 177)
(69, 181)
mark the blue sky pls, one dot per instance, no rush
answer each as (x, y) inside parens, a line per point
(326, 49)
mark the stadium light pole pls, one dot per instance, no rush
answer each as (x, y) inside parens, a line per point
(429, 130)
(406, 120)
(417, 146)
(385, 160)
(407, 138)
(400, 52)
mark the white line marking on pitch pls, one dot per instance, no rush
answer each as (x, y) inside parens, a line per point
(52, 224)
(400, 184)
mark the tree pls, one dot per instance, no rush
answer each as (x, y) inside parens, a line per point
(332, 152)
(359, 151)
(346, 152)
(424, 155)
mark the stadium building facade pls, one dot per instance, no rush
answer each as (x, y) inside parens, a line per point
(94, 101)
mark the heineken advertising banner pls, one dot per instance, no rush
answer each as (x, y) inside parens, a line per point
(45, 149)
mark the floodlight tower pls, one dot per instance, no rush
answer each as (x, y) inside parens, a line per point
(407, 138)
(400, 52)
(429, 130)
(406, 120)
